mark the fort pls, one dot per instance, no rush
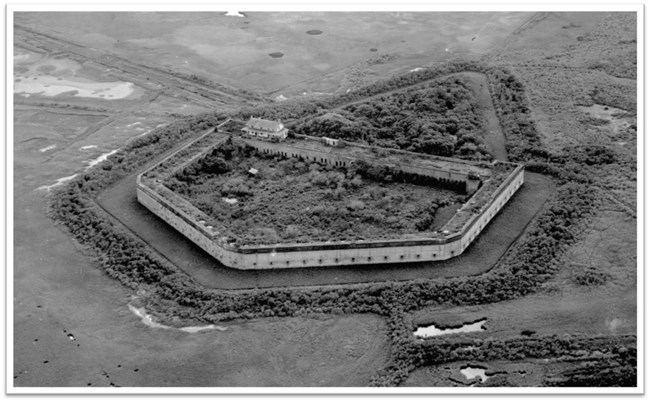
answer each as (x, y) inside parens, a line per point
(490, 186)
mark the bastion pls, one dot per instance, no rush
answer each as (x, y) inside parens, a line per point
(489, 184)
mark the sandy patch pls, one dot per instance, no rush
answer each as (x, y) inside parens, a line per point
(148, 320)
(48, 85)
(54, 76)
(47, 148)
(100, 159)
(143, 134)
(58, 182)
(25, 57)
(618, 119)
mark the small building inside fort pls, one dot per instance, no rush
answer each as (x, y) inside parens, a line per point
(267, 129)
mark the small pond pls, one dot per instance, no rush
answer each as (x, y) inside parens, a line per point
(432, 330)
(471, 372)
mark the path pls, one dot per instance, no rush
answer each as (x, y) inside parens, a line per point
(626, 208)
(494, 132)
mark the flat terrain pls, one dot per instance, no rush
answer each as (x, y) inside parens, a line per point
(238, 50)
(72, 324)
(564, 305)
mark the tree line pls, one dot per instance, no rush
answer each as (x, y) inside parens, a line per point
(439, 118)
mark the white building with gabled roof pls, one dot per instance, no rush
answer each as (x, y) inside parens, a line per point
(263, 128)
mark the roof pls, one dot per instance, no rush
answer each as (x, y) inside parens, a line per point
(262, 124)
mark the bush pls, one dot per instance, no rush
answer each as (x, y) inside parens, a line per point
(590, 276)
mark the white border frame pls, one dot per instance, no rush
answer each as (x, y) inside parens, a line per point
(576, 6)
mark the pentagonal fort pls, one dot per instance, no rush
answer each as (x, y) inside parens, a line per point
(487, 187)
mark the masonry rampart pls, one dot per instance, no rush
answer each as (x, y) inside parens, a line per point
(191, 222)
(443, 169)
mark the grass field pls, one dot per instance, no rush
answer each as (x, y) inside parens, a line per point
(236, 50)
